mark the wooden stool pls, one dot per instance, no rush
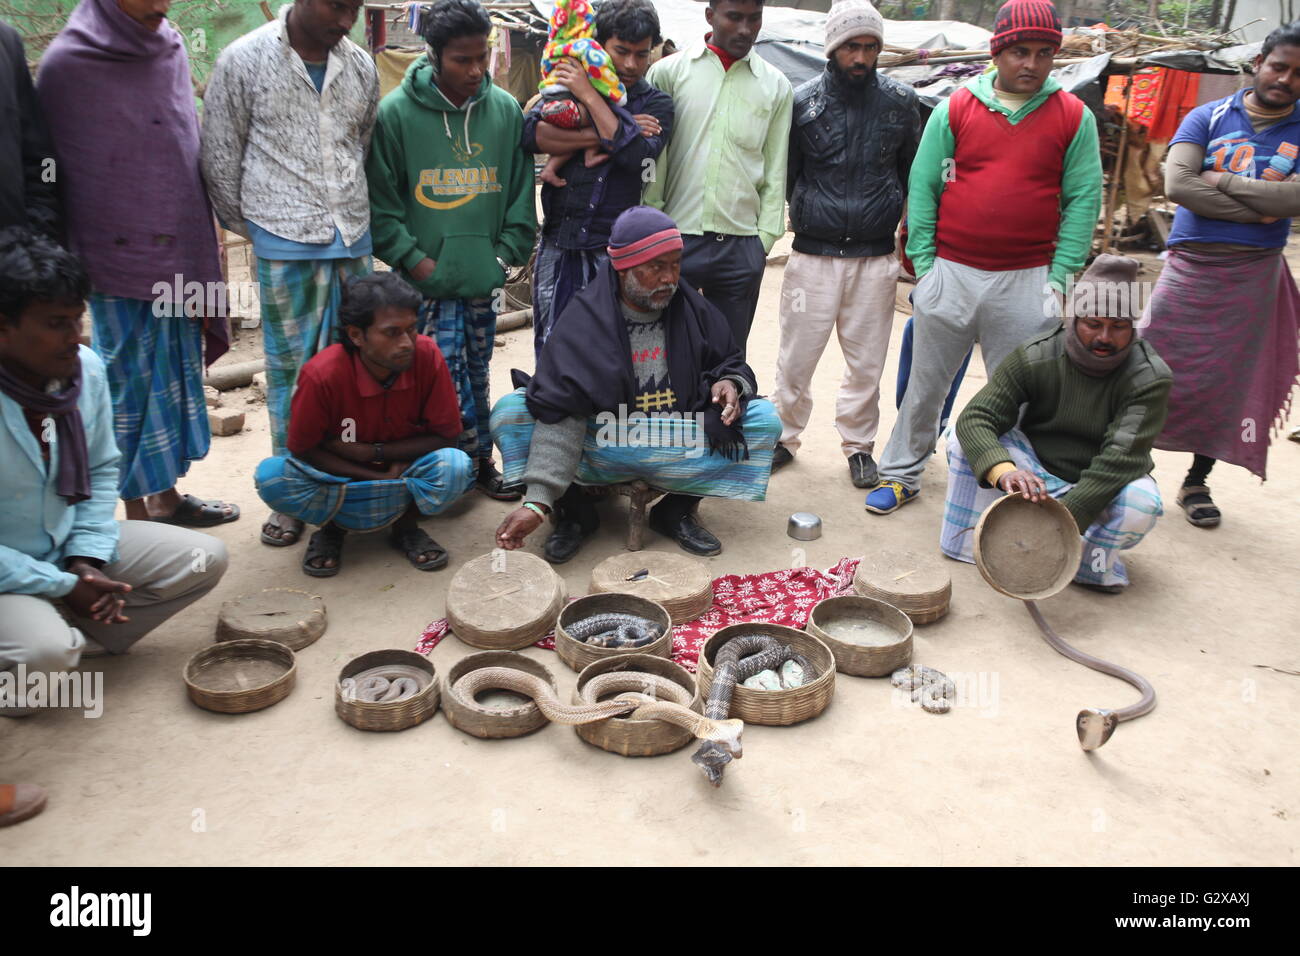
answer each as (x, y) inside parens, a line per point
(639, 495)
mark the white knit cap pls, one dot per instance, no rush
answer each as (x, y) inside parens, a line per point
(852, 18)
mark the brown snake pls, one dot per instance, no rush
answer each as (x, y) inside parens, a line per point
(639, 706)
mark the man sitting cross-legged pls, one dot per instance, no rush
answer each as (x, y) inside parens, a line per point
(73, 581)
(372, 432)
(639, 379)
(1095, 397)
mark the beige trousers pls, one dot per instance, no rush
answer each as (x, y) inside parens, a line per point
(855, 297)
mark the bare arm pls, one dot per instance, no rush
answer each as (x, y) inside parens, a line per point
(554, 141)
(1183, 185)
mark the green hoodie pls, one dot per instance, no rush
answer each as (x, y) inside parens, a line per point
(431, 196)
(1081, 182)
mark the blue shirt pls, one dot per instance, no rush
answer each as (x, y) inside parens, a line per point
(38, 528)
(1232, 146)
(267, 245)
(317, 73)
(580, 215)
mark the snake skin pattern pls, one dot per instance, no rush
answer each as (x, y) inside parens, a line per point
(614, 630)
(930, 688)
(737, 660)
(384, 684)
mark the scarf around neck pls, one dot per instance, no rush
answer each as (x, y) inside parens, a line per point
(1089, 362)
(69, 431)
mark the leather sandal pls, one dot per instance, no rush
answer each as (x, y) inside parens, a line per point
(325, 543)
(19, 802)
(413, 542)
(1198, 506)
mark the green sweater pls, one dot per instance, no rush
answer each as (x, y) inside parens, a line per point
(431, 195)
(1093, 432)
(1081, 182)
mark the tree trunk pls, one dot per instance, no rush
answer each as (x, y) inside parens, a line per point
(1153, 9)
(947, 10)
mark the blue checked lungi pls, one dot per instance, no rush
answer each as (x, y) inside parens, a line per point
(155, 375)
(558, 275)
(465, 330)
(1125, 521)
(300, 307)
(293, 487)
(674, 455)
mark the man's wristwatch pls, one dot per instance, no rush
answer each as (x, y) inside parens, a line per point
(378, 448)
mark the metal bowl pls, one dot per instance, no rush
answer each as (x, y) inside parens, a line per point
(804, 526)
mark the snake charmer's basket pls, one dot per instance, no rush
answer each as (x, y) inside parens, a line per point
(1027, 550)
(637, 738)
(237, 677)
(917, 584)
(289, 616)
(578, 654)
(863, 660)
(520, 716)
(504, 600)
(774, 708)
(681, 584)
(390, 714)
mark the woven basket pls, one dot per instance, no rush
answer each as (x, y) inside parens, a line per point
(863, 660)
(637, 738)
(289, 616)
(1027, 550)
(578, 654)
(504, 601)
(681, 584)
(387, 715)
(236, 677)
(917, 584)
(774, 708)
(474, 721)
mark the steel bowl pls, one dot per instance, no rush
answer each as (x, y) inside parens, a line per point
(804, 526)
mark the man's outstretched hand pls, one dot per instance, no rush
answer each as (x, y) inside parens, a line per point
(519, 524)
(724, 394)
(95, 595)
(1024, 483)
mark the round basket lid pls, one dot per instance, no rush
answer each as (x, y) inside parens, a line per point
(681, 584)
(504, 591)
(910, 580)
(286, 615)
(1027, 550)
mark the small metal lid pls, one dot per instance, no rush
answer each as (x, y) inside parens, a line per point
(804, 526)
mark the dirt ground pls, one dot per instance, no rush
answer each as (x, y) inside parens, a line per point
(1209, 778)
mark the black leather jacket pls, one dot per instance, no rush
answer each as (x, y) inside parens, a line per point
(850, 152)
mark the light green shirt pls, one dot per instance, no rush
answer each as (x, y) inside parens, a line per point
(724, 169)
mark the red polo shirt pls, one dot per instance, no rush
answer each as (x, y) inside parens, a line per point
(335, 387)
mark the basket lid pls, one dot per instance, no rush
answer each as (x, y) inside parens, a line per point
(1027, 550)
(914, 578)
(668, 577)
(503, 591)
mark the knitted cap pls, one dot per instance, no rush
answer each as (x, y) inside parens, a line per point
(852, 18)
(1021, 20)
(1109, 289)
(639, 235)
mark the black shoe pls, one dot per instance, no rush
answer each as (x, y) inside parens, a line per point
(687, 531)
(565, 541)
(781, 456)
(862, 469)
(491, 483)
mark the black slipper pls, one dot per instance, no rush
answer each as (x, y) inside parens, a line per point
(272, 541)
(325, 543)
(194, 512)
(492, 484)
(413, 542)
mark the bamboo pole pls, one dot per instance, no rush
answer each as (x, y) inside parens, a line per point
(1117, 170)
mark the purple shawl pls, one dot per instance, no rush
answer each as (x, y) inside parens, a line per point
(120, 108)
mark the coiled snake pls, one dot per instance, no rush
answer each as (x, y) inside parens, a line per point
(614, 630)
(635, 703)
(1095, 725)
(385, 684)
(737, 660)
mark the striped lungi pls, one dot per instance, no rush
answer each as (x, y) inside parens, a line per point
(671, 455)
(155, 375)
(293, 487)
(465, 330)
(1125, 521)
(300, 306)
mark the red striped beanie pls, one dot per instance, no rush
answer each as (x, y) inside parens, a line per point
(1021, 20)
(639, 235)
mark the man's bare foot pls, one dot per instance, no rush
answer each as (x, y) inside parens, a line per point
(280, 531)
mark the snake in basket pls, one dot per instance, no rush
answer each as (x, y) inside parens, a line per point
(737, 660)
(634, 702)
(385, 684)
(614, 630)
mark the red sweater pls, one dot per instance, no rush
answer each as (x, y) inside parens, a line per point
(1002, 208)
